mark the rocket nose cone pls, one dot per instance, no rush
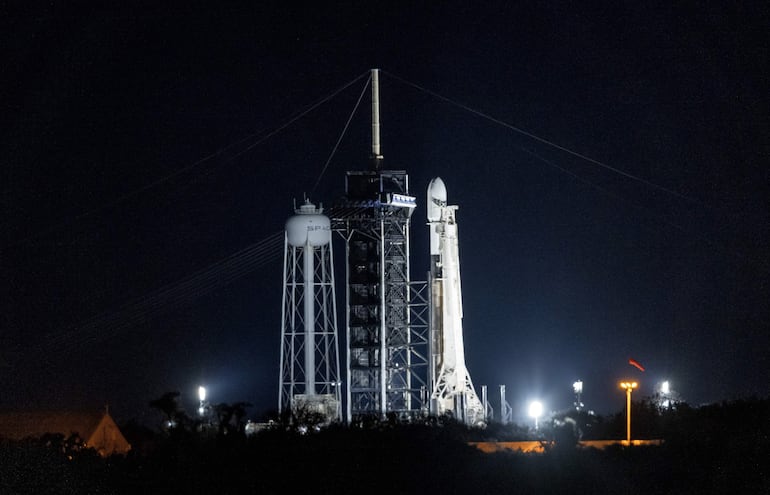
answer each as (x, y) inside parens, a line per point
(437, 189)
(436, 199)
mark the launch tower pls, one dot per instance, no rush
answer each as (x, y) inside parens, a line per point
(387, 340)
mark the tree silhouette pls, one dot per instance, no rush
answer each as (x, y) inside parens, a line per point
(230, 417)
(239, 413)
(169, 405)
(224, 413)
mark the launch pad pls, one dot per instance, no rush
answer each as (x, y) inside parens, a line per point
(405, 355)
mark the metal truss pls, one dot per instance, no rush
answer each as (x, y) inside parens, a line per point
(387, 360)
(293, 372)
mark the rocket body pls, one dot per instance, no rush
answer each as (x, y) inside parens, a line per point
(453, 391)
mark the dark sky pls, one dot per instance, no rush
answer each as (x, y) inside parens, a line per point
(135, 152)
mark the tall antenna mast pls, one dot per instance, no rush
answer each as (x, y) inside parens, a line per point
(376, 155)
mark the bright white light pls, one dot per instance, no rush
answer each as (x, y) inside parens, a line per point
(665, 388)
(535, 409)
(578, 387)
(202, 393)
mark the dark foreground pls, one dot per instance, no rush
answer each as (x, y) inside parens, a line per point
(723, 450)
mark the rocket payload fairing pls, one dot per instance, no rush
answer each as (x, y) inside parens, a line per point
(453, 391)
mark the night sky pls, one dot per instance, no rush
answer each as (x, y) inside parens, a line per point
(140, 145)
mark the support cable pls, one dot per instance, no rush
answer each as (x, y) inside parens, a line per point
(545, 141)
(641, 208)
(170, 297)
(344, 130)
(175, 173)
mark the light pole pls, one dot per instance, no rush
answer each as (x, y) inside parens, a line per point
(628, 387)
(535, 410)
(665, 388)
(577, 387)
(665, 395)
(202, 403)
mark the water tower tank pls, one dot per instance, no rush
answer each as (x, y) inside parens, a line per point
(308, 225)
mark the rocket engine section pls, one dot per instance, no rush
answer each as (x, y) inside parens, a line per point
(452, 388)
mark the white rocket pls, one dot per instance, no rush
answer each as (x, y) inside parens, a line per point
(453, 391)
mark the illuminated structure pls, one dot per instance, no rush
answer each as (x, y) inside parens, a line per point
(666, 397)
(577, 387)
(506, 411)
(490, 412)
(665, 388)
(535, 411)
(452, 390)
(628, 387)
(405, 356)
(309, 374)
(202, 401)
(386, 324)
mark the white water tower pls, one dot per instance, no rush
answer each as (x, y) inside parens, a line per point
(309, 374)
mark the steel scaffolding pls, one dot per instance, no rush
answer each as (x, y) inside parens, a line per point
(387, 341)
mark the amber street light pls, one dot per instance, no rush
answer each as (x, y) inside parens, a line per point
(628, 387)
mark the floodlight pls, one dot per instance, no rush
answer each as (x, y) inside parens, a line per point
(535, 410)
(578, 387)
(202, 393)
(665, 388)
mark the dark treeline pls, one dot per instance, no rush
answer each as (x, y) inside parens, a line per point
(719, 448)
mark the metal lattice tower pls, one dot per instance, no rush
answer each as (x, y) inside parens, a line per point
(309, 381)
(506, 411)
(386, 329)
(489, 411)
